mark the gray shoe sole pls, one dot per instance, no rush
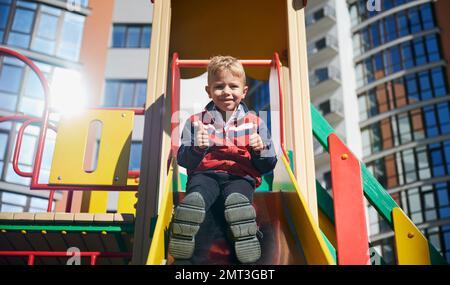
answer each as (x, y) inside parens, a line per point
(186, 222)
(241, 216)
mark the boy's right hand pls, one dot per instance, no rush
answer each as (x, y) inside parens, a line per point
(201, 135)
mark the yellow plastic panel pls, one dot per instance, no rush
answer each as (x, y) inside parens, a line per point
(95, 202)
(314, 246)
(114, 152)
(327, 228)
(410, 244)
(128, 199)
(157, 251)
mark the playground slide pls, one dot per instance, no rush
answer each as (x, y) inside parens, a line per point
(290, 236)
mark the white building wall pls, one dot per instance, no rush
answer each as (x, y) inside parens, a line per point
(350, 100)
(133, 11)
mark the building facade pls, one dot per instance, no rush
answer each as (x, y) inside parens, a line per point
(401, 66)
(331, 78)
(50, 33)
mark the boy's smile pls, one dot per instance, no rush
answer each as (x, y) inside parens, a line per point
(226, 90)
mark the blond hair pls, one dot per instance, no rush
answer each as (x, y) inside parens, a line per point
(228, 63)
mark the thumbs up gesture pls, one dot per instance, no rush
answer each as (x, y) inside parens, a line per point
(256, 142)
(201, 135)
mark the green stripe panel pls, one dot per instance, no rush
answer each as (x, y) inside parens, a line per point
(325, 202)
(377, 195)
(123, 228)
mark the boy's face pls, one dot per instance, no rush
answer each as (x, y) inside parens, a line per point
(226, 90)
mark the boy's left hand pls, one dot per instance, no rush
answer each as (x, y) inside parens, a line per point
(256, 142)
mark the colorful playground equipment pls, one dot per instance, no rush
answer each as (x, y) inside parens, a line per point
(301, 222)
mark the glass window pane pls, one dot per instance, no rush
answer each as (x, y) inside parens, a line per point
(38, 203)
(4, 13)
(27, 150)
(135, 156)
(11, 209)
(127, 94)
(23, 21)
(48, 154)
(33, 87)
(111, 97)
(46, 34)
(10, 78)
(146, 36)
(8, 102)
(15, 199)
(72, 35)
(30, 106)
(3, 141)
(142, 94)
(133, 36)
(12, 177)
(47, 26)
(118, 36)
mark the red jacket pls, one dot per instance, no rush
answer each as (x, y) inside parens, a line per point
(229, 149)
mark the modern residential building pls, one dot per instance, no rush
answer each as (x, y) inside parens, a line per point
(94, 54)
(332, 79)
(401, 59)
(50, 33)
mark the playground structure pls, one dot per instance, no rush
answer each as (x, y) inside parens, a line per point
(301, 222)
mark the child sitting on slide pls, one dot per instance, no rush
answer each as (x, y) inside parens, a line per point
(225, 149)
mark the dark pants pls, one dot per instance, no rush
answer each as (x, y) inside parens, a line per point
(218, 185)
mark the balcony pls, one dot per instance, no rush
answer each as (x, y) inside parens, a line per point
(332, 110)
(322, 50)
(320, 20)
(321, 157)
(323, 81)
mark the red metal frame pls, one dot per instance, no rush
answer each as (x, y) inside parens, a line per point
(175, 94)
(93, 254)
(34, 175)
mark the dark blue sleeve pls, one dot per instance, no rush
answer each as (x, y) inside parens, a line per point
(189, 156)
(266, 160)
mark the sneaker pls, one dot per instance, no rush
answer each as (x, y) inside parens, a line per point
(241, 217)
(185, 224)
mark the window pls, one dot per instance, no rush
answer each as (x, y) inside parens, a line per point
(20, 34)
(71, 37)
(414, 20)
(427, 17)
(432, 48)
(4, 15)
(396, 59)
(135, 156)
(45, 40)
(131, 36)
(3, 146)
(43, 28)
(123, 93)
(390, 28)
(402, 24)
(14, 202)
(11, 75)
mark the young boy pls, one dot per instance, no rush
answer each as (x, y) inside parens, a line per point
(225, 150)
